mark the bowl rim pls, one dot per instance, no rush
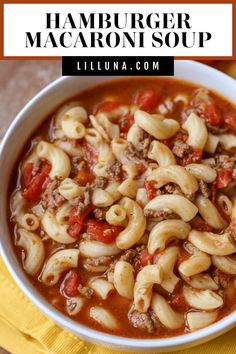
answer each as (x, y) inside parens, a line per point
(81, 330)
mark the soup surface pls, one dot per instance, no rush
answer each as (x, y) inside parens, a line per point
(123, 208)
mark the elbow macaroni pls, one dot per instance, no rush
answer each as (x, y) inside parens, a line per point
(146, 278)
(69, 189)
(124, 279)
(101, 198)
(211, 143)
(209, 212)
(202, 172)
(58, 232)
(165, 231)
(59, 160)
(174, 174)
(34, 248)
(197, 131)
(176, 203)
(103, 317)
(213, 244)
(92, 248)
(197, 320)
(228, 141)
(72, 122)
(116, 215)
(167, 316)
(161, 153)
(101, 286)
(226, 264)
(57, 264)
(202, 281)
(136, 224)
(167, 262)
(202, 299)
(155, 125)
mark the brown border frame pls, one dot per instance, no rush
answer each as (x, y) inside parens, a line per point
(233, 2)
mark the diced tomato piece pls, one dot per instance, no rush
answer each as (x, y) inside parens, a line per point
(141, 168)
(193, 157)
(76, 222)
(145, 258)
(84, 176)
(230, 120)
(147, 99)
(206, 107)
(35, 184)
(71, 283)
(75, 217)
(108, 107)
(27, 174)
(224, 177)
(179, 303)
(90, 154)
(150, 190)
(75, 229)
(212, 115)
(126, 122)
(102, 231)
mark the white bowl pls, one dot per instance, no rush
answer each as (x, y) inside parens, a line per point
(19, 132)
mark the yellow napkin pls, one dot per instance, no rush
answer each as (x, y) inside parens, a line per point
(25, 330)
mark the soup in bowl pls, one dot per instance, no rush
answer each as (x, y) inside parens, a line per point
(121, 209)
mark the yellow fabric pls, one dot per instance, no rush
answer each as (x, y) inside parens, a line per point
(25, 330)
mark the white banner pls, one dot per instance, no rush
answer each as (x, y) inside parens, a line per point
(117, 29)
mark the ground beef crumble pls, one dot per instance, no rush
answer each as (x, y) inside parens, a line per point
(114, 170)
(146, 321)
(99, 182)
(51, 198)
(129, 256)
(203, 188)
(100, 213)
(225, 161)
(83, 202)
(160, 214)
(181, 148)
(172, 188)
(143, 143)
(133, 154)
